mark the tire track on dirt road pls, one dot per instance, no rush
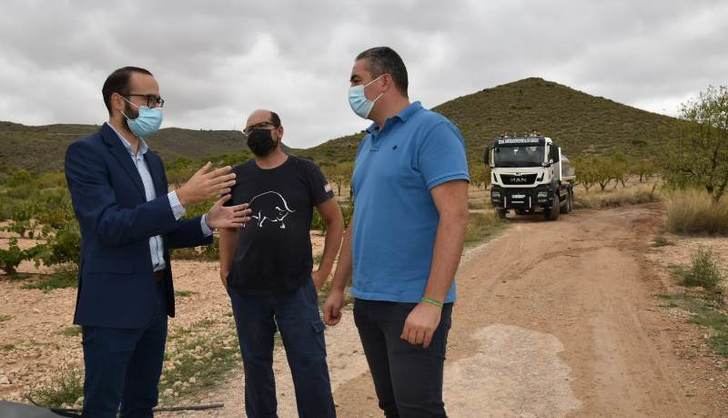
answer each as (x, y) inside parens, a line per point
(561, 319)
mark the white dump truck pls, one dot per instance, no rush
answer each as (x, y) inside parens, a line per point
(530, 175)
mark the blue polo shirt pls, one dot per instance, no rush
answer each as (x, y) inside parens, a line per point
(395, 218)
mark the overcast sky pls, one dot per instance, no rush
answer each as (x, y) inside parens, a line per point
(216, 61)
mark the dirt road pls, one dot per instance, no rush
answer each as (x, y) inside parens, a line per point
(562, 319)
(553, 319)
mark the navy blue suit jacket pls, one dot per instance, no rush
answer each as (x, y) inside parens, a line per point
(116, 287)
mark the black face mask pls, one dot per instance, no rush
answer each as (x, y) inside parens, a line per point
(261, 142)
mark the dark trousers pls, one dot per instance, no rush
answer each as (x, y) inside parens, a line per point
(123, 366)
(407, 378)
(297, 317)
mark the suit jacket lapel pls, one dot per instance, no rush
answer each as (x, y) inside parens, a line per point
(122, 155)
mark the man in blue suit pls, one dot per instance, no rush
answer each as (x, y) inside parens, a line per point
(129, 221)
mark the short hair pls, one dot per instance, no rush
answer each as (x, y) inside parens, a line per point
(384, 60)
(275, 119)
(118, 82)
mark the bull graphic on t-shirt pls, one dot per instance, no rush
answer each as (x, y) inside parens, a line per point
(270, 206)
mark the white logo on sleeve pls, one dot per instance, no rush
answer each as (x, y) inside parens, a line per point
(270, 206)
(327, 188)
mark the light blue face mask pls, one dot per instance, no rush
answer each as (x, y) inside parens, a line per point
(148, 121)
(358, 100)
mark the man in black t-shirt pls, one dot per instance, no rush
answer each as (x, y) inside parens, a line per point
(267, 269)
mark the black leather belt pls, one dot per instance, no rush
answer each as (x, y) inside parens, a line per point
(159, 275)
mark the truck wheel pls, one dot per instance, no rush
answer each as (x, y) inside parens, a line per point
(571, 201)
(566, 207)
(552, 213)
(500, 213)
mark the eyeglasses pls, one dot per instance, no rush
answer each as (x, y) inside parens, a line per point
(152, 99)
(269, 126)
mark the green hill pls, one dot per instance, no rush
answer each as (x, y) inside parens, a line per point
(40, 148)
(579, 122)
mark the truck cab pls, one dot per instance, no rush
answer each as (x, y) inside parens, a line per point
(529, 174)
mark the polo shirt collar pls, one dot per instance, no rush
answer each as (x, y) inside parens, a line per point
(403, 115)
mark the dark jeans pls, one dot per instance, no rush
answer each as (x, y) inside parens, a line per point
(297, 317)
(123, 366)
(407, 378)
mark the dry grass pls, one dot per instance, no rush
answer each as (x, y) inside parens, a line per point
(612, 198)
(63, 389)
(481, 227)
(693, 212)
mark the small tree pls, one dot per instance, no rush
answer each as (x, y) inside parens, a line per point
(618, 169)
(644, 168)
(479, 174)
(586, 172)
(603, 171)
(699, 153)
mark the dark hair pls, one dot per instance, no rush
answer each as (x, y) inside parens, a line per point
(383, 60)
(118, 82)
(275, 119)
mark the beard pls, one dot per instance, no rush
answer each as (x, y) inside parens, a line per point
(131, 113)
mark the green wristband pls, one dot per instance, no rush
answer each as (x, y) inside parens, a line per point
(432, 302)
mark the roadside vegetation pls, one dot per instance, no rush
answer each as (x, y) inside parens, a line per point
(704, 297)
(694, 165)
(694, 212)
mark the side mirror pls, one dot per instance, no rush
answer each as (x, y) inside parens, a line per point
(486, 157)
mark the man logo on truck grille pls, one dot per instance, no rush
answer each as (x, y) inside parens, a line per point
(519, 180)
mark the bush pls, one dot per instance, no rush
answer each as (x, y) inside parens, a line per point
(318, 224)
(694, 212)
(704, 271)
(39, 207)
(63, 390)
(12, 257)
(63, 247)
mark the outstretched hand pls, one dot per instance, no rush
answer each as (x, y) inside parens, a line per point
(233, 217)
(206, 183)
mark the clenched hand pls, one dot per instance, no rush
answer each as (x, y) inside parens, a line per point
(421, 324)
(332, 307)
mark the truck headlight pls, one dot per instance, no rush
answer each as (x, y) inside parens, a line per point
(495, 194)
(543, 195)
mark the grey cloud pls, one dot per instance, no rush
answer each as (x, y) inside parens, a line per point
(217, 61)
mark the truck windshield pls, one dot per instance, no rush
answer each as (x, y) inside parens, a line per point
(518, 156)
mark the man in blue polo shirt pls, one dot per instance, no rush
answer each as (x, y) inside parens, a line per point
(410, 215)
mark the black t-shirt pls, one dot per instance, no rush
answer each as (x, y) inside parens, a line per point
(274, 251)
